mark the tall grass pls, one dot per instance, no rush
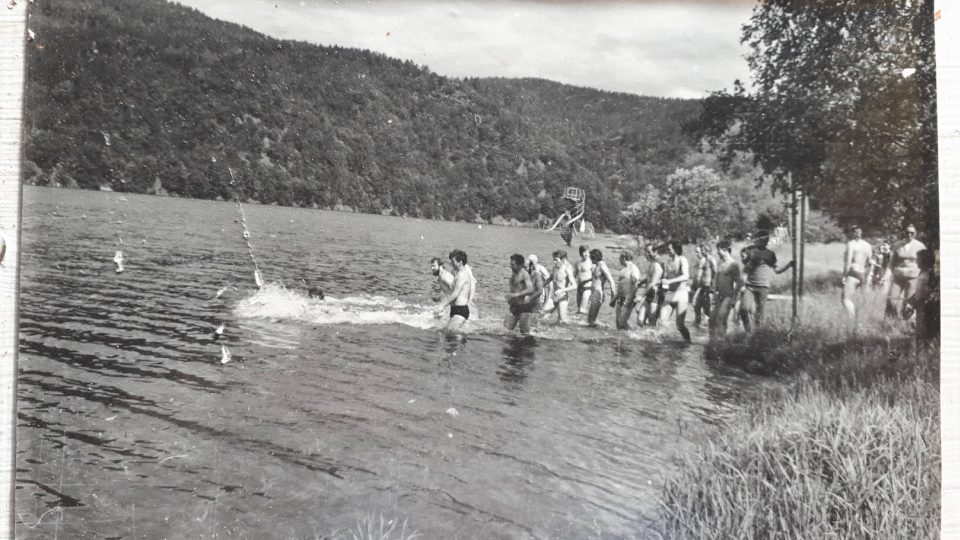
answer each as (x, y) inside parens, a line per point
(851, 449)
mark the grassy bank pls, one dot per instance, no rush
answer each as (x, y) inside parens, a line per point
(850, 450)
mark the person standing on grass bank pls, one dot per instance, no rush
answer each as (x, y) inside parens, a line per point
(676, 274)
(760, 267)
(444, 277)
(856, 261)
(703, 284)
(584, 279)
(519, 307)
(902, 273)
(601, 275)
(461, 293)
(649, 312)
(728, 282)
(926, 300)
(624, 298)
(561, 281)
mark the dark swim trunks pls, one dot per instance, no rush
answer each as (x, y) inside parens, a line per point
(520, 309)
(857, 274)
(583, 286)
(654, 296)
(463, 311)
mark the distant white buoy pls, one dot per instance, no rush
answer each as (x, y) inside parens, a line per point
(225, 355)
(118, 260)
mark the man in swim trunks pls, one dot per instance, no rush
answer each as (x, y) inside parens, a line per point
(760, 267)
(856, 260)
(624, 297)
(649, 287)
(600, 276)
(584, 278)
(444, 277)
(520, 308)
(461, 293)
(676, 273)
(703, 284)
(561, 282)
(904, 271)
(537, 270)
(727, 284)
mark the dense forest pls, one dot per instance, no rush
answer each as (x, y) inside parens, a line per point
(151, 97)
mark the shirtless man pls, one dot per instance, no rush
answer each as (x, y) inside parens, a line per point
(600, 276)
(727, 284)
(703, 284)
(624, 298)
(584, 279)
(540, 291)
(650, 288)
(461, 293)
(444, 277)
(856, 261)
(561, 281)
(519, 306)
(676, 273)
(904, 271)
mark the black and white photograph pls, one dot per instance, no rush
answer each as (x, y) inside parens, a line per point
(354, 269)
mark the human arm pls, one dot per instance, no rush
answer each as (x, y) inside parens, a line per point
(786, 267)
(684, 270)
(527, 288)
(459, 282)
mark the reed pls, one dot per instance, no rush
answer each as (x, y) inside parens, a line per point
(850, 449)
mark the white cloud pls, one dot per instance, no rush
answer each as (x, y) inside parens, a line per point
(685, 49)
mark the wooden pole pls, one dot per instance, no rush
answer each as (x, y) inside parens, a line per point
(794, 234)
(802, 241)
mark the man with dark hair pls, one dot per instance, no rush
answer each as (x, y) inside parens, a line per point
(856, 260)
(444, 277)
(649, 312)
(727, 284)
(461, 293)
(760, 267)
(676, 273)
(562, 282)
(584, 278)
(520, 306)
(703, 283)
(601, 275)
(624, 297)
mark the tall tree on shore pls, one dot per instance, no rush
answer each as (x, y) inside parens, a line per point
(842, 103)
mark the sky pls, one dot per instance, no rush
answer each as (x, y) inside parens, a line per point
(684, 49)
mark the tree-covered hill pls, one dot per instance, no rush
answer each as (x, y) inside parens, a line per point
(149, 96)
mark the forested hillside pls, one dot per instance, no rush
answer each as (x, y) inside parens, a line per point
(149, 96)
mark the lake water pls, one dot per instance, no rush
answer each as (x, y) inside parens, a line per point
(329, 411)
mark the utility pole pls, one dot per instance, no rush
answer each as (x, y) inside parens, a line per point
(794, 237)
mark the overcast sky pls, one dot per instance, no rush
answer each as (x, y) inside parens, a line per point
(676, 49)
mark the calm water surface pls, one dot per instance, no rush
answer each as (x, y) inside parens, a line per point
(329, 411)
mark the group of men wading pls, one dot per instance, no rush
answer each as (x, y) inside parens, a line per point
(668, 287)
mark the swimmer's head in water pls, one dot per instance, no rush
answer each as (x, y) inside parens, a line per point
(435, 265)
(596, 255)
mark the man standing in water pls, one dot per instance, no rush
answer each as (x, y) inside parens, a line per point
(519, 305)
(703, 284)
(856, 261)
(600, 276)
(461, 293)
(562, 282)
(444, 278)
(584, 278)
(624, 298)
(649, 312)
(727, 284)
(760, 267)
(676, 273)
(904, 270)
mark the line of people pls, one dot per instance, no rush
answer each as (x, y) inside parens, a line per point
(669, 287)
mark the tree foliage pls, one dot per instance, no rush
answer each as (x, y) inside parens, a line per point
(842, 103)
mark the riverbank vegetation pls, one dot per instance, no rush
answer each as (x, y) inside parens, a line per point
(850, 449)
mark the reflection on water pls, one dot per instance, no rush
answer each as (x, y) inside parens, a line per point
(130, 426)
